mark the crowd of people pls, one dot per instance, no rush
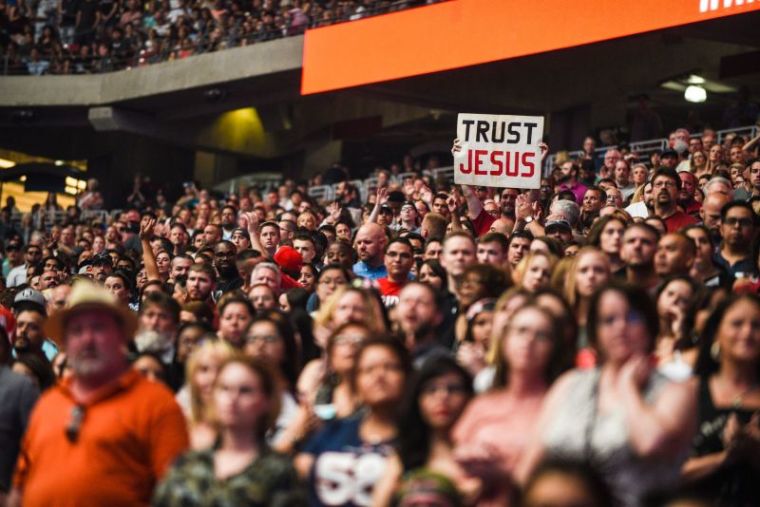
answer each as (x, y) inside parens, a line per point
(594, 342)
(92, 36)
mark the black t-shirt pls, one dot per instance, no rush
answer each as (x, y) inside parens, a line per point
(734, 484)
(69, 10)
(88, 9)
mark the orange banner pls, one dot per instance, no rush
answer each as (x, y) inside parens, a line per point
(460, 33)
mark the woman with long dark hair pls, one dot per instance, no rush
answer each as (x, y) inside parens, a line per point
(436, 398)
(345, 460)
(725, 462)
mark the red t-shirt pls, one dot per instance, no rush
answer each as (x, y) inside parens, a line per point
(678, 221)
(389, 291)
(483, 223)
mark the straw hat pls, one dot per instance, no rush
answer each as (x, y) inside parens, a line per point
(84, 296)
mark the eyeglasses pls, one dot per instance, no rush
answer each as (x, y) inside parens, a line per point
(266, 338)
(75, 423)
(348, 339)
(741, 222)
(450, 389)
(666, 184)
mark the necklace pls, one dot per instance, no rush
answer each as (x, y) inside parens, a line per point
(738, 398)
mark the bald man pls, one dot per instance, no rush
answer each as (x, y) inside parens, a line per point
(710, 213)
(370, 246)
(675, 255)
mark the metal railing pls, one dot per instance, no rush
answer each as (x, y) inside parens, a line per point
(59, 217)
(324, 193)
(650, 146)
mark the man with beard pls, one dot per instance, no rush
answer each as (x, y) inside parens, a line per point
(417, 316)
(737, 229)
(211, 234)
(157, 331)
(106, 417)
(180, 267)
(669, 159)
(229, 221)
(754, 177)
(639, 247)
(370, 246)
(686, 196)
(201, 282)
(666, 185)
(29, 309)
(508, 202)
(102, 266)
(228, 277)
(567, 177)
(179, 238)
(48, 279)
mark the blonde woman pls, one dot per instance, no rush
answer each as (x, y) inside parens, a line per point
(348, 304)
(589, 271)
(195, 397)
(534, 271)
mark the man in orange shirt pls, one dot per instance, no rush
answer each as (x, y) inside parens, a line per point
(106, 435)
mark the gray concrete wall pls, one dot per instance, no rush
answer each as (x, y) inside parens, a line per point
(209, 69)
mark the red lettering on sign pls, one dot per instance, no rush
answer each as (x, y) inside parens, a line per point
(511, 171)
(527, 160)
(479, 160)
(496, 161)
(468, 168)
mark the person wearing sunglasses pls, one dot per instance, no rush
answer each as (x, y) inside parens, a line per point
(105, 435)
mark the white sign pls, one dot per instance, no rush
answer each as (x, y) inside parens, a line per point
(499, 150)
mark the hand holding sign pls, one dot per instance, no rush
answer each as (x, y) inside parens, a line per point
(498, 150)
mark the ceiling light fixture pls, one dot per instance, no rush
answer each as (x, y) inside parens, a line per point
(694, 93)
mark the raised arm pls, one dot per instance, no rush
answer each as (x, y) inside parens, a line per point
(453, 206)
(381, 198)
(149, 259)
(252, 223)
(751, 143)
